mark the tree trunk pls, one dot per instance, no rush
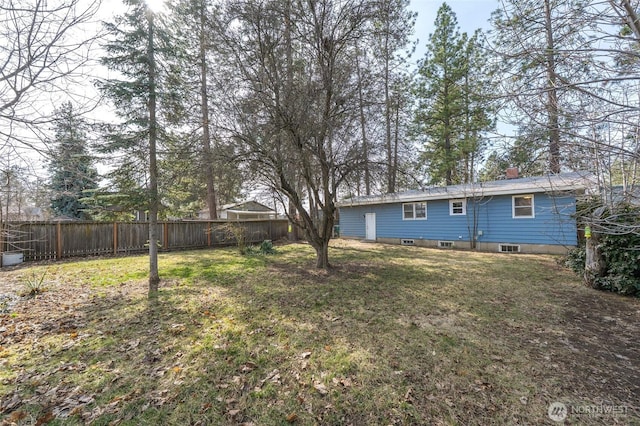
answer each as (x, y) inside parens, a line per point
(363, 126)
(396, 142)
(594, 265)
(552, 95)
(206, 137)
(322, 255)
(154, 278)
(391, 170)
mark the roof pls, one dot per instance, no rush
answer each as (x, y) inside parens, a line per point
(248, 206)
(559, 182)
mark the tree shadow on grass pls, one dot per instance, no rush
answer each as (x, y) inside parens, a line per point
(377, 340)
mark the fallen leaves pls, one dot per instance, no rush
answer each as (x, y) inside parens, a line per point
(343, 381)
(273, 377)
(46, 418)
(16, 416)
(177, 329)
(320, 387)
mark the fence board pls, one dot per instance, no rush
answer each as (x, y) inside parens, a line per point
(40, 240)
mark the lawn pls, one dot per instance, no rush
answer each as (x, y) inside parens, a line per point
(392, 335)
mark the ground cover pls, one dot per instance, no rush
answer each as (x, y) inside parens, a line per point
(392, 335)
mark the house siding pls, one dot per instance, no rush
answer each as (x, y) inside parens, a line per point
(553, 223)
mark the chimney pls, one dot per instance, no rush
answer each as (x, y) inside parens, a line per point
(512, 173)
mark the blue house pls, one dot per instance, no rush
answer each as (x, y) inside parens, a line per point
(528, 215)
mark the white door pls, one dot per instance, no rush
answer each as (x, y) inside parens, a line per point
(370, 226)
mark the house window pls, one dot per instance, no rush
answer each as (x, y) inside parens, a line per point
(509, 248)
(523, 206)
(457, 207)
(414, 211)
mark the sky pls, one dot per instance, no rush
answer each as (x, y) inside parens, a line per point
(471, 14)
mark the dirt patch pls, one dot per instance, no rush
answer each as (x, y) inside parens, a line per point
(591, 352)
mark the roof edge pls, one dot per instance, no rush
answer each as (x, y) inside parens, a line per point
(547, 183)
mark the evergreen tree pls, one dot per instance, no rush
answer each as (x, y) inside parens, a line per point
(542, 49)
(141, 50)
(71, 166)
(453, 108)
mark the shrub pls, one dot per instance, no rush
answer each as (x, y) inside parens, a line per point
(619, 244)
(34, 284)
(575, 259)
(622, 257)
(237, 234)
(266, 247)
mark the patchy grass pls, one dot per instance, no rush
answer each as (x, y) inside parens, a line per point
(392, 335)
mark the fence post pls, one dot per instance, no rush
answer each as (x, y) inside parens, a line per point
(2, 231)
(166, 235)
(58, 240)
(209, 232)
(115, 238)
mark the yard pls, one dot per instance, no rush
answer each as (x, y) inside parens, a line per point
(392, 335)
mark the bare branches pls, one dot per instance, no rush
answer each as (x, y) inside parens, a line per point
(44, 52)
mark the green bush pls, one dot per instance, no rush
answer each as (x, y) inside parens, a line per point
(622, 257)
(575, 259)
(619, 245)
(266, 247)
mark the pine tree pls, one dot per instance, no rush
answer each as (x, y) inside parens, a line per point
(71, 166)
(542, 49)
(453, 108)
(140, 51)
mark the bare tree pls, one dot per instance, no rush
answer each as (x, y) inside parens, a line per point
(44, 51)
(589, 62)
(295, 115)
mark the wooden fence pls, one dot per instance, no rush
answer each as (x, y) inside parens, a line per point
(57, 240)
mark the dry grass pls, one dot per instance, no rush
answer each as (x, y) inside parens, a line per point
(393, 335)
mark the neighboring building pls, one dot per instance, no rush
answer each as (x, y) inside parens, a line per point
(25, 214)
(244, 210)
(529, 215)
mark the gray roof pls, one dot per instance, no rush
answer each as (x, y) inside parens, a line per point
(560, 182)
(249, 206)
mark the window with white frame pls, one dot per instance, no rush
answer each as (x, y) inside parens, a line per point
(523, 206)
(458, 207)
(414, 211)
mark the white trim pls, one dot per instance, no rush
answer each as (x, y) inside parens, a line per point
(464, 206)
(513, 206)
(414, 210)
